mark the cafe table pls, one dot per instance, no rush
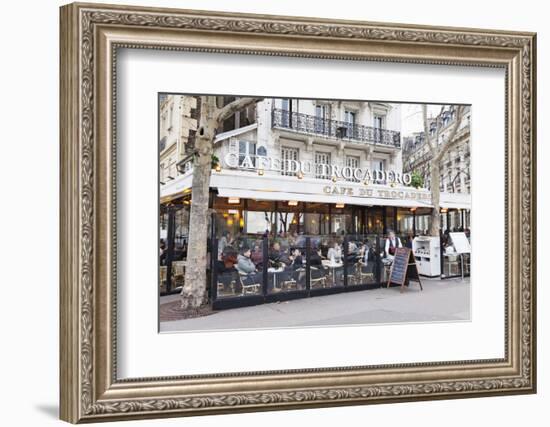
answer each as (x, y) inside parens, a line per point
(333, 267)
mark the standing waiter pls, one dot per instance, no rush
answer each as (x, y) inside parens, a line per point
(392, 243)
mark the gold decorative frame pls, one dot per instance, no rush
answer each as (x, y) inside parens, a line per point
(90, 36)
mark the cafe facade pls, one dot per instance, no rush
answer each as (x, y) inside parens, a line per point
(306, 177)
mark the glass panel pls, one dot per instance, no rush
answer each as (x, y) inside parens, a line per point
(311, 223)
(405, 230)
(375, 222)
(286, 269)
(239, 268)
(361, 260)
(257, 222)
(333, 262)
(423, 223)
(390, 219)
(228, 224)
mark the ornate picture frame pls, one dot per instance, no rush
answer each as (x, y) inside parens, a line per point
(90, 37)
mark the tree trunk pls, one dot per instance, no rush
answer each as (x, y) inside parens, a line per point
(193, 294)
(194, 289)
(434, 186)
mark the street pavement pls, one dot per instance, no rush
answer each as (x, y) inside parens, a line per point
(440, 301)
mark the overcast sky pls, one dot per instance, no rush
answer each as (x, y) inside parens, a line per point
(411, 117)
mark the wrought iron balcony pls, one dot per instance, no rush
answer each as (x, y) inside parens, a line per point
(313, 125)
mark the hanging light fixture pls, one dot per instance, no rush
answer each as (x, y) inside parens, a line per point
(233, 200)
(340, 205)
(260, 172)
(292, 203)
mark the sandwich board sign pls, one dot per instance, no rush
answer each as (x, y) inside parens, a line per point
(460, 243)
(403, 268)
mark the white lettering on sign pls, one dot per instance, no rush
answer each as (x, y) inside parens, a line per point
(247, 162)
(379, 193)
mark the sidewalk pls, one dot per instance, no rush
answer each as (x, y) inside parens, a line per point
(441, 300)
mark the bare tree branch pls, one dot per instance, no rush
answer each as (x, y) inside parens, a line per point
(450, 140)
(231, 108)
(438, 126)
(426, 127)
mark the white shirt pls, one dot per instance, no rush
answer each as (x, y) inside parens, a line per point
(396, 244)
(336, 252)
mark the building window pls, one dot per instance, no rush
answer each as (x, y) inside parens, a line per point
(163, 122)
(322, 165)
(162, 173)
(322, 116)
(353, 163)
(288, 153)
(172, 171)
(349, 118)
(286, 106)
(379, 122)
(247, 148)
(378, 165)
(171, 117)
(378, 126)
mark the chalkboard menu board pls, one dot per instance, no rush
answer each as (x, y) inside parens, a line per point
(403, 268)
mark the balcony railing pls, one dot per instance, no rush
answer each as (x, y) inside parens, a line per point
(313, 125)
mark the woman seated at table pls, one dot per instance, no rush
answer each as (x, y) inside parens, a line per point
(247, 269)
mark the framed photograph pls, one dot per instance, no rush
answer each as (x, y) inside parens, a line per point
(268, 212)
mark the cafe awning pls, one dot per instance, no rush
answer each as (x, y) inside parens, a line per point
(317, 198)
(276, 188)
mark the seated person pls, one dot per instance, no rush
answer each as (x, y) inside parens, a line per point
(226, 274)
(335, 252)
(257, 256)
(315, 259)
(277, 256)
(180, 253)
(244, 263)
(297, 260)
(324, 246)
(247, 269)
(229, 257)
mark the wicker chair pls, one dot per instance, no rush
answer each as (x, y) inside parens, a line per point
(318, 278)
(162, 273)
(364, 271)
(250, 288)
